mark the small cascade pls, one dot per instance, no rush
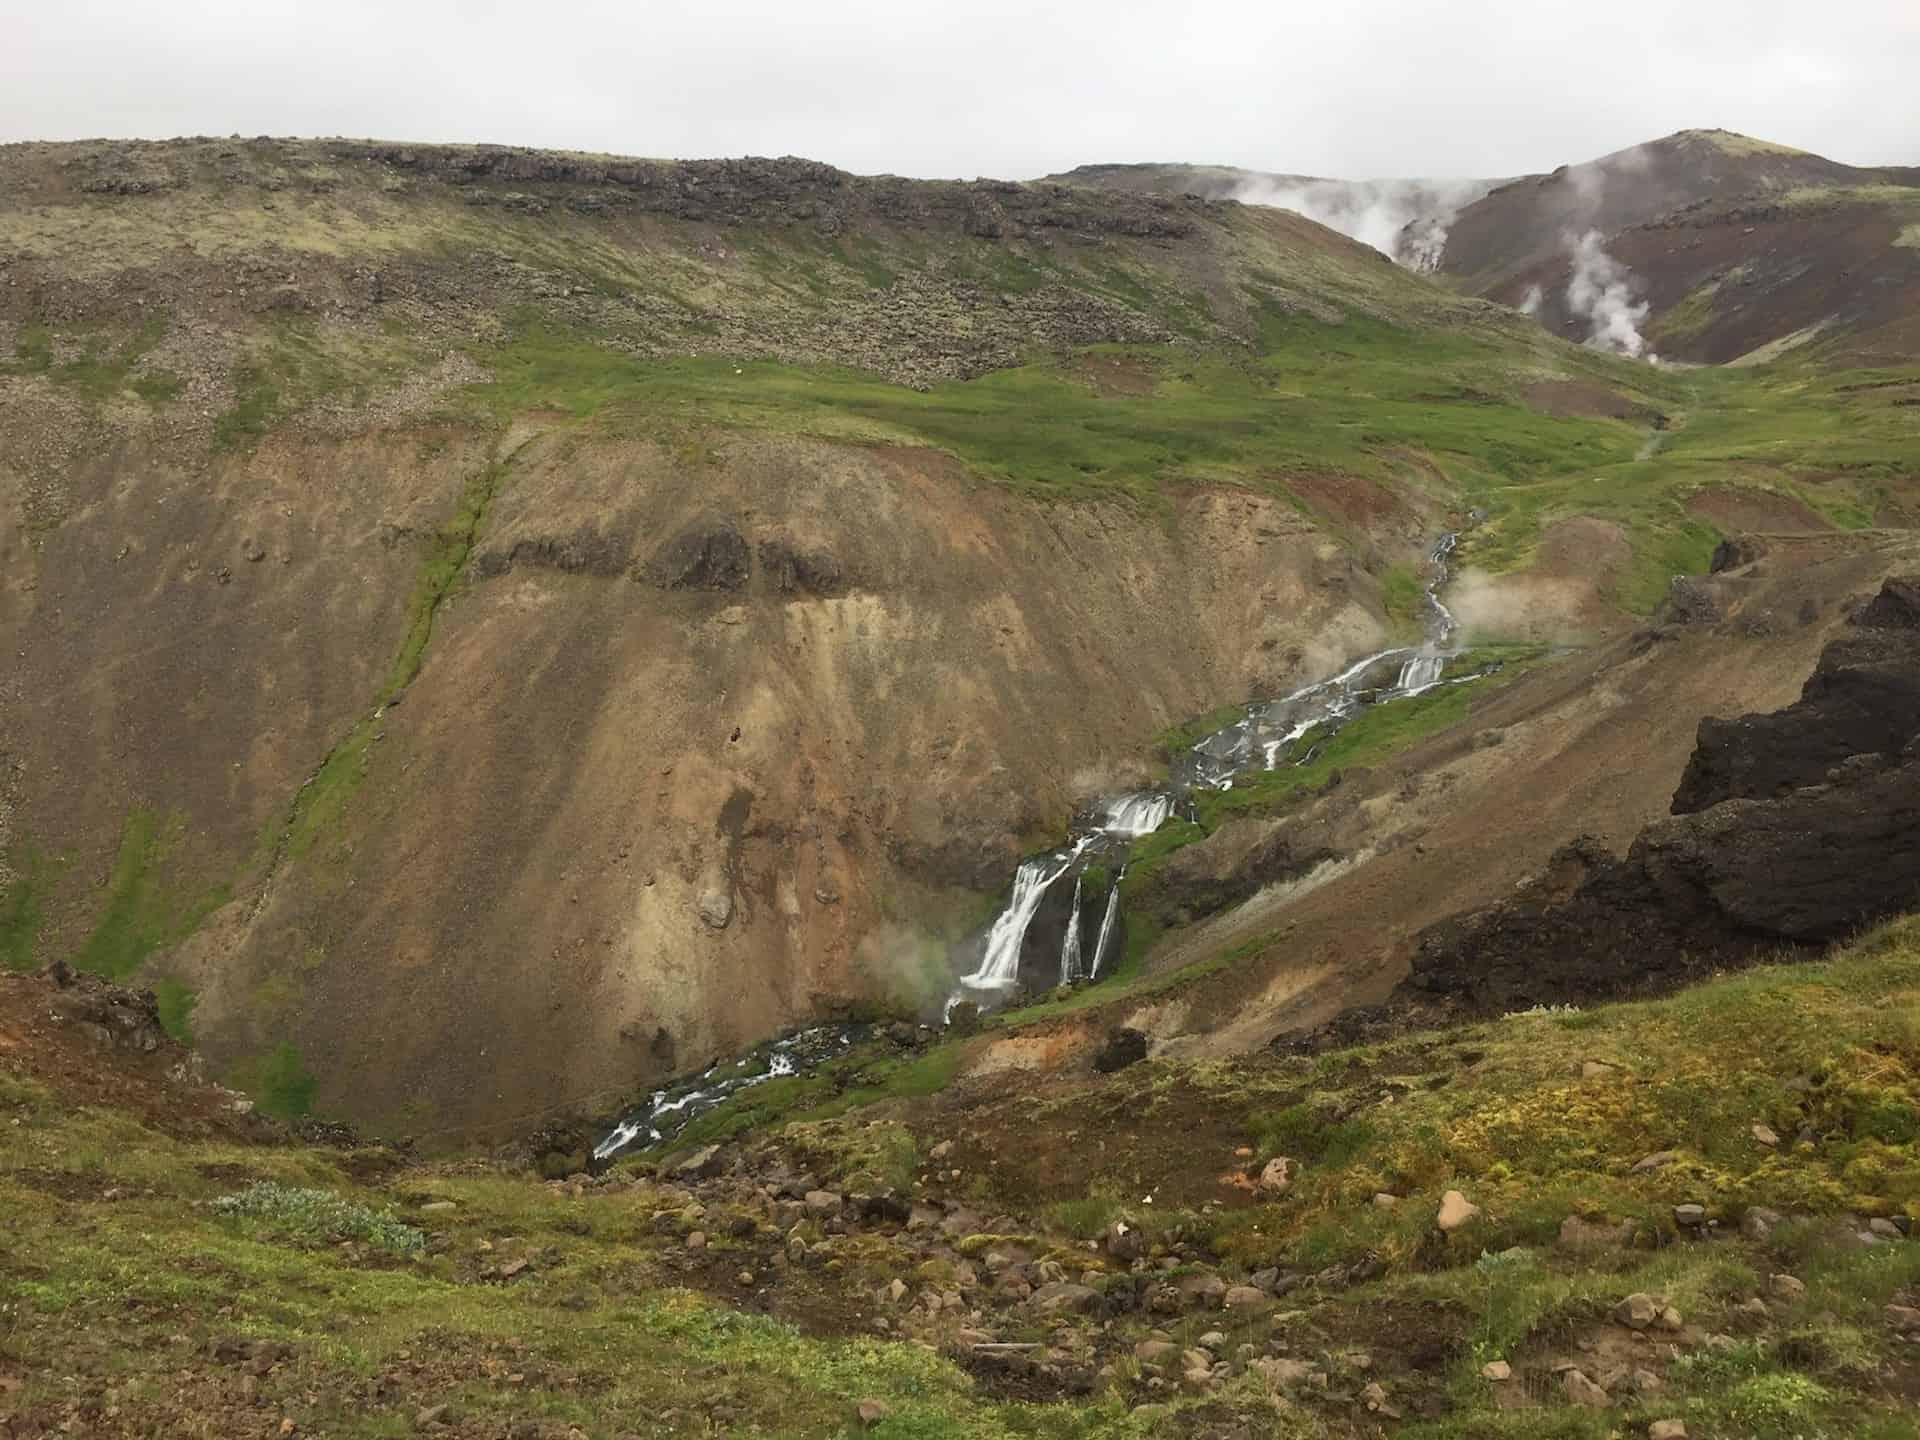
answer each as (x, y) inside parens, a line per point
(1000, 961)
(1070, 947)
(670, 1110)
(1140, 812)
(1420, 673)
(1423, 671)
(1106, 926)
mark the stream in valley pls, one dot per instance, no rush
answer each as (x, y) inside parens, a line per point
(1000, 963)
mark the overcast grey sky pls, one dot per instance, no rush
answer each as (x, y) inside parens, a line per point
(1353, 88)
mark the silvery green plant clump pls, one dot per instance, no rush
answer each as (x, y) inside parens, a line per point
(321, 1215)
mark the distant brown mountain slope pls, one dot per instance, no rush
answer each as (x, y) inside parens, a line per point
(1731, 243)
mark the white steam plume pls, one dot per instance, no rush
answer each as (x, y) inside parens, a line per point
(1531, 301)
(1601, 293)
(1404, 219)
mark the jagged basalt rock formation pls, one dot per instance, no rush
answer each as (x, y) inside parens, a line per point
(112, 1016)
(792, 569)
(1790, 829)
(584, 552)
(711, 554)
(1863, 698)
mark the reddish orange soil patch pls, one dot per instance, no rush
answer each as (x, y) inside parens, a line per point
(1348, 498)
(1583, 399)
(1737, 509)
(1117, 374)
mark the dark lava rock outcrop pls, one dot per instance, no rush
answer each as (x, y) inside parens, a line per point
(793, 570)
(1790, 829)
(1124, 1046)
(710, 554)
(1863, 698)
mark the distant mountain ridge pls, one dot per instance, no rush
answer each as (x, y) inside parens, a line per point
(1699, 228)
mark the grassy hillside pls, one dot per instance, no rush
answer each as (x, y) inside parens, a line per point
(183, 1275)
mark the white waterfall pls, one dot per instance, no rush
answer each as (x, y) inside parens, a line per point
(1070, 947)
(1420, 673)
(1139, 812)
(1000, 961)
(1106, 926)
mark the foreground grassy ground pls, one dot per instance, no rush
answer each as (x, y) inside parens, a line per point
(156, 1282)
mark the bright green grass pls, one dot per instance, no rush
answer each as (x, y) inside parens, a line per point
(1359, 397)
(23, 904)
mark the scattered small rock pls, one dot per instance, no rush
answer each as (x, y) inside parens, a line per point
(1283, 1370)
(1276, 1176)
(871, 1412)
(1758, 1222)
(1764, 1135)
(1667, 1430)
(716, 908)
(1641, 1311)
(1246, 1297)
(1155, 1352)
(1690, 1217)
(1786, 1287)
(1455, 1210)
(1374, 1397)
(1582, 1391)
(1497, 1371)
(1659, 1160)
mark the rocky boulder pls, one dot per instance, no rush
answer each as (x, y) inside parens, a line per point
(1124, 1047)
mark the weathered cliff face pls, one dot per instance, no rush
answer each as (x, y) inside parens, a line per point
(1794, 828)
(705, 742)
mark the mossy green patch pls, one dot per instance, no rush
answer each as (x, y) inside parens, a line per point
(146, 908)
(279, 1081)
(176, 1001)
(322, 802)
(100, 371)
(23, 904)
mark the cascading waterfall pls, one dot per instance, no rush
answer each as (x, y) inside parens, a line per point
(1423, 670)
(1070, 947)
(1139, 813)
(999, 967)
(1268, 734)
(1289, 730)
(1106, 926)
